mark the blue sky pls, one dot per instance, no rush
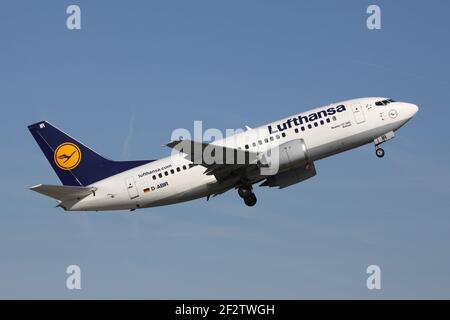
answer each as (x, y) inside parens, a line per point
(139, 69)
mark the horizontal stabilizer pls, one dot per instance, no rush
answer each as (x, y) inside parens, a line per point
(63, 193)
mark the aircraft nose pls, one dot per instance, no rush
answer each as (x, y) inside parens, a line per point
(411, 109)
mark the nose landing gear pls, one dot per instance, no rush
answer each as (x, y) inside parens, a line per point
(378, 141)
(245, 192)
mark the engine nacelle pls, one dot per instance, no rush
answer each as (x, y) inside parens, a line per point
(287, 156)
(290, 177)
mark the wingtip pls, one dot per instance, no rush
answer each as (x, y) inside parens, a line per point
(172, 143)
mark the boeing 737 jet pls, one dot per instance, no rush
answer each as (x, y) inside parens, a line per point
(278, 154)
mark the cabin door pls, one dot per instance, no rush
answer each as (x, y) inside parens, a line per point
(131, 188)
(358, 113)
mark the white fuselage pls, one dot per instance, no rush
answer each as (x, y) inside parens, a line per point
(171, 180)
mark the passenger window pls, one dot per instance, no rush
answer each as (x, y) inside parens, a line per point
(259, 142)
(328, 120)
(321, 122)
(266, 140)
(172, 171)
(303, 128)
(178, 169)
(278, 136)
(309, 126)
(166, 173)
(296, 130)
(316, 124)
(184, 167)
(283, 135)
(254, 144)
(160, 175)
(154, 177)
(271, 138)
(246, 147)
(334, 118)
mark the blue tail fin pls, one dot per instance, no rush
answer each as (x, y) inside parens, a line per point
(74, 163)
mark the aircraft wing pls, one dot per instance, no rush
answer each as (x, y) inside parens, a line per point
(219, 160)
(63, 193)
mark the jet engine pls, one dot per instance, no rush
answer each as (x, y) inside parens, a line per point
(286, 156)
(287, 164)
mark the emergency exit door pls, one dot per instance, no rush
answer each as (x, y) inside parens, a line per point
(131, 188)
(358, 113)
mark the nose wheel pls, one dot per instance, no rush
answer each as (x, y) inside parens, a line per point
(248, 196)
(379, 152)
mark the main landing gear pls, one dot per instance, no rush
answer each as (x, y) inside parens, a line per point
(245, 192)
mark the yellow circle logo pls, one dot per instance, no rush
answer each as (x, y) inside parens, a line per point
(67, 156)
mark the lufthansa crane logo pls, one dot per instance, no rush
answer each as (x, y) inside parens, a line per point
(67, 156)
(393, 113)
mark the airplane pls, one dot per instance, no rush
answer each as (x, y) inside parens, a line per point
(278, 155)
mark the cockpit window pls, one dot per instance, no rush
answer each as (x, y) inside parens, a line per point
(384, 102)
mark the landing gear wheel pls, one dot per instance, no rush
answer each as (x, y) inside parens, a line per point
(244, 192)
(250, 200)
(379, 152)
